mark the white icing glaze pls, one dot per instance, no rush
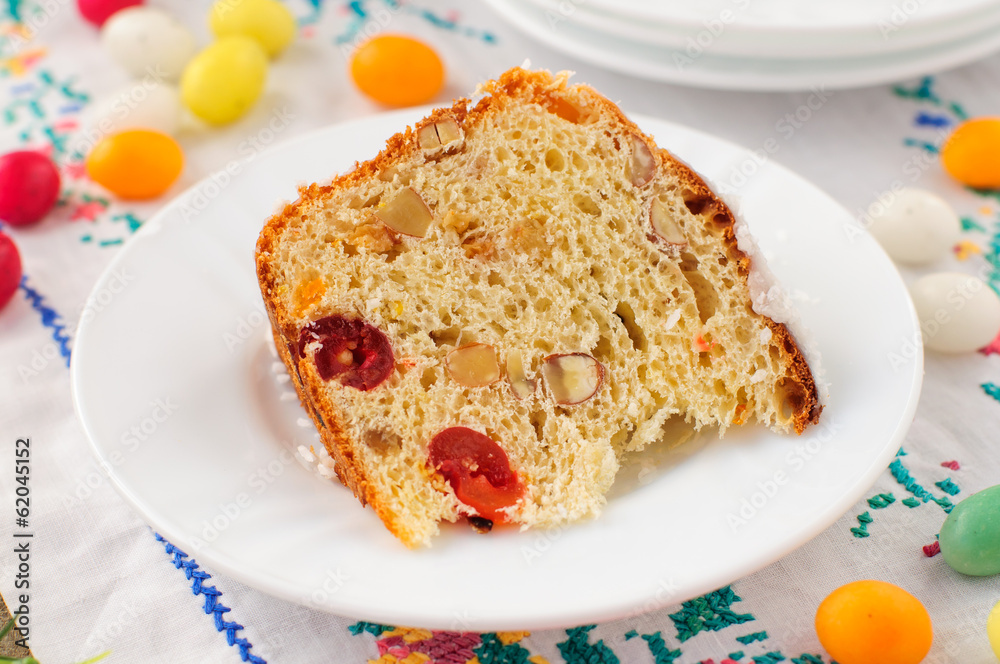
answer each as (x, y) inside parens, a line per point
(767, 297)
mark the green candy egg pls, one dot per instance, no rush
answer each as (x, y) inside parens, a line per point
(970, 536)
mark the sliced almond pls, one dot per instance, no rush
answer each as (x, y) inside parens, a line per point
(406, 213)
(642, 167)
(444, 134)
(572, 378)
(474, 365)
(522, 386)
(427, 137)
(448, 131)
(664, 224)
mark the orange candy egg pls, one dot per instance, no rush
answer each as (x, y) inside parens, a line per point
(874, 622)
(971, 154)
(136, 164)
(397, 70)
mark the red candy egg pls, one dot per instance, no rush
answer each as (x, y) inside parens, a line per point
(29, 187)
(99, 11)
(10, 269)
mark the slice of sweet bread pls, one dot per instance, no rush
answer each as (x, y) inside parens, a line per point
(484, 318)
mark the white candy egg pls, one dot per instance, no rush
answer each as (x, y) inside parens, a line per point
(915, 227)
(143, 105)
(148, 42)
(958, 313)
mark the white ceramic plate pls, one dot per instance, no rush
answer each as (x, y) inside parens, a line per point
(727, 37)
(817, 16)
(214, 475)
(708, 69)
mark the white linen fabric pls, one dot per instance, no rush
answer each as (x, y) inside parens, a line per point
(101, 580)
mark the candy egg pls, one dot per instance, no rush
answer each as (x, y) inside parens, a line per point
(915, 227)
(139, 106)
(970, 536)
(223, 81)
(10, 269)
(874, 622)
(267, 21)
(993, 629)
(136, 164)
(958, 313)
(147, 41)
(29, 187)
(99, 11)
(397, 70)
(970, 153)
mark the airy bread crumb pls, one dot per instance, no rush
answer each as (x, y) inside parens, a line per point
(542, 223)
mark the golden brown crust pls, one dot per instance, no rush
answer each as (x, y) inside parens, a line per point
(807, 409)
(553, 94)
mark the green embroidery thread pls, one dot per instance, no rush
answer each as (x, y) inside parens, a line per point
(750, 638)
(710, 612)
(862, 529)
(658, 648)
(578, 650)
(881, 501)
(947, 486)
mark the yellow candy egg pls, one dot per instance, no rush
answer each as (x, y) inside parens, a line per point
(267, 21)
(993, 629)
(223, 81)
(971, 154)
(874, 622)
(135, 164)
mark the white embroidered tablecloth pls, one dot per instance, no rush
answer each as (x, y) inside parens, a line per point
(101, 579)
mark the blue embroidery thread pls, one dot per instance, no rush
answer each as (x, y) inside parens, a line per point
(213, 606)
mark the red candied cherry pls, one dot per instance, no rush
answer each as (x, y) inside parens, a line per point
(477, 469)
(10, 269)
(351, 350)
(99, 11)
(29, 187)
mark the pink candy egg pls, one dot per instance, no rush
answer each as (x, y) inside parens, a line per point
(99, 11)
(10, 269)
(29, 187)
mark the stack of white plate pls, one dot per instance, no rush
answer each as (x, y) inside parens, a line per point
(765, 44)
